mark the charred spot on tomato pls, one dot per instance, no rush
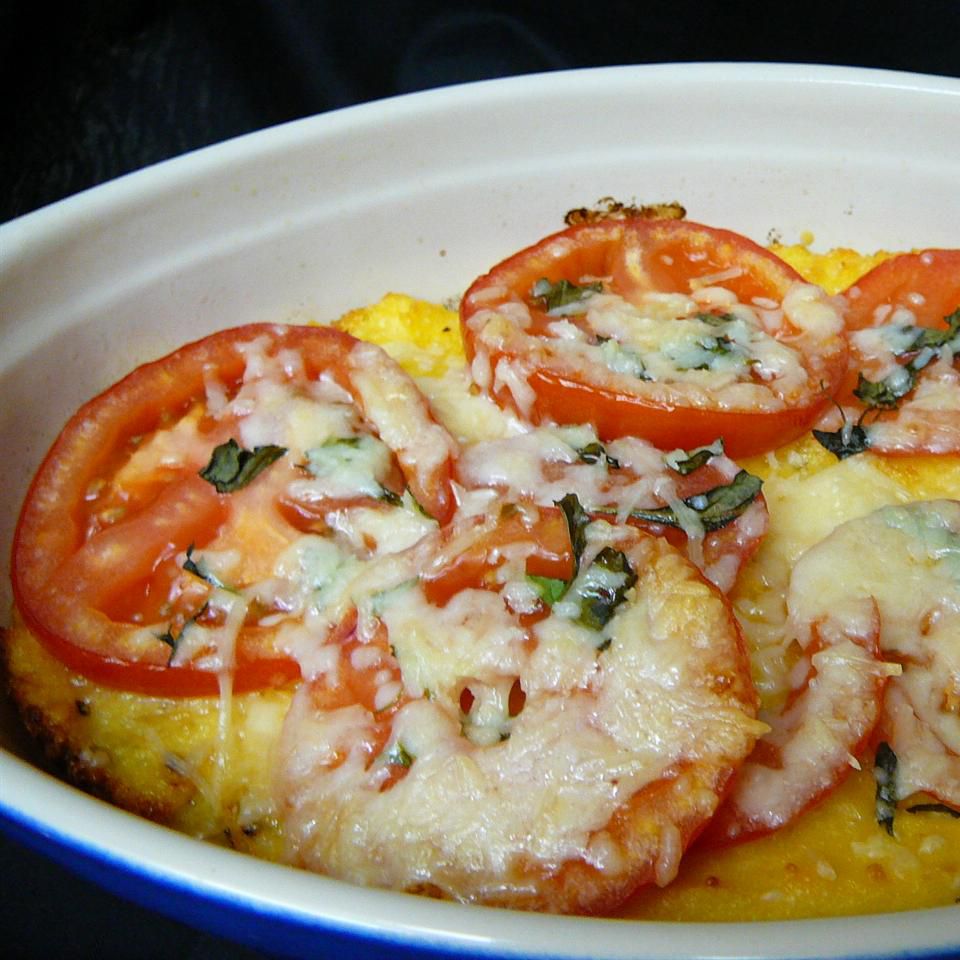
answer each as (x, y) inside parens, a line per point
(607, 208)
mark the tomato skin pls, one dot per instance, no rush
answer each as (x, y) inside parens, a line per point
(551, 556)
(935, 274)
(737, 821)
(62, 575)
(927, 284)
(615, 414)
(635, 257)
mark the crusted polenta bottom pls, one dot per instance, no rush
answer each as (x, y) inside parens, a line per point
(188, 764)
(180, 761)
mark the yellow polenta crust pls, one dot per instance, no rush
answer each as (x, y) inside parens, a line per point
(171, 760)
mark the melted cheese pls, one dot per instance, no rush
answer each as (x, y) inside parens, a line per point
(604, 715)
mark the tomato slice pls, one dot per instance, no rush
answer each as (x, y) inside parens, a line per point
(405, 765)
(630, 481)
(469, 560)
(927, 284)
(100, 540)
(743, 350)
(888, 307)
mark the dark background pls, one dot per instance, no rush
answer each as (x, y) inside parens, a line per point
(92, 90)
(95, 90)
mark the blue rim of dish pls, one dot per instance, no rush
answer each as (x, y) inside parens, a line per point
(259, 924)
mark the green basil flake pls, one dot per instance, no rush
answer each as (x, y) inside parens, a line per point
(231, 467)
(715, 319)
(388, 496)
(933, 339)
(564, 297)
(934, 808)
(198, 570)
(927, 344)
(845, 442)
(172, 641)
(603, 588)
(577, 520)
(716, 507)
(549, 589)
(885, 774)
(419, 506)
(886, 394)
(595, 452)
(686, 461)
(721, 345)
(398, 756)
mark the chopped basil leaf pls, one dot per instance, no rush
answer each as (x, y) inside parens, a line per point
(886, 394)
(231, 467)
(885, 774)
(388, 496)
(172, 641)
(929, 338)
(398, 756)
(603, 587)
(595, 452)
(686, 461)
(708, 353)
(716, 507)
(715, 319)
(375, 603)
(549, 589)
(934, 808)
(577, 520)
(620, 359)
(191, 566)
(927, 343)
(719, 345)
(564, 298)
(419, 505)
(845, 442)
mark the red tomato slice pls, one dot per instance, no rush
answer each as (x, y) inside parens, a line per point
(913, 289)
(74, 571)
(460, 708)
(540, 467)
(469, 560)
(925, 283)
(546, 379)
(794, 766)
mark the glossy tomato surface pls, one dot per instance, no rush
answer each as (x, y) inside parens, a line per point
(95, 555)
(637, 260)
